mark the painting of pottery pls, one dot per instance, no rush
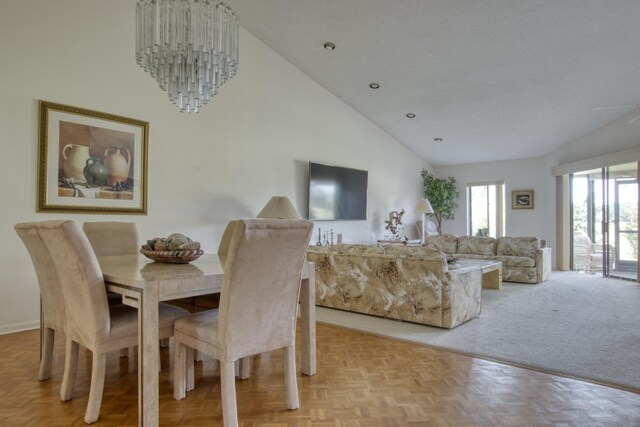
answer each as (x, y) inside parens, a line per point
(95, 162)
(91, 161)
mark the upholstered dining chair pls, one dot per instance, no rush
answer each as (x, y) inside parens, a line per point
(115, 238)
(90, 321)
(258, 304)
(225, 241)
(52, 302)
(112, 237)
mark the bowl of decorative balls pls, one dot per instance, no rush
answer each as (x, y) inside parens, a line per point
(175, 249)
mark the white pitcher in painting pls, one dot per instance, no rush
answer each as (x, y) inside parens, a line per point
(75, 159)
(118, 160)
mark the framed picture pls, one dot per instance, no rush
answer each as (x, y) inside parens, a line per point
(91, 162)
(522, 199)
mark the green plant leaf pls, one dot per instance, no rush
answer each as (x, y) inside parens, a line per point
(443, 195)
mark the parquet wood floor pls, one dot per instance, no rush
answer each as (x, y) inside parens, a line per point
(362, 380)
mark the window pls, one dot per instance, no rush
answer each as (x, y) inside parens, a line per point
(485, 203)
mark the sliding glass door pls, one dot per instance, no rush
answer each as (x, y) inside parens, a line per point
(625, 232)
(604, 215)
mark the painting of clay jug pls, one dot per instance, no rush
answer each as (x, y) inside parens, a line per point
(75, 159)
(95, 172)
(117, 159)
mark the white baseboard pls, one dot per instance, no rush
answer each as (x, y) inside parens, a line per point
(19, 327)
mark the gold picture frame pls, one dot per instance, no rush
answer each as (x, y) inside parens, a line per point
(91, 162)
(522, 199)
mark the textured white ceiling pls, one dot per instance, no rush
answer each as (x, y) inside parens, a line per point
(495, 79)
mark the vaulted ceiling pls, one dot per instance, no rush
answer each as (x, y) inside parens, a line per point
(494, 79)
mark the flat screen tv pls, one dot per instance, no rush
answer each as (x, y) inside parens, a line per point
(337, 193)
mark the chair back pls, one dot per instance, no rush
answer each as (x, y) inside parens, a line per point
(112, 237)
(83, 286)
(260, 290)
(48, 281)
(225, 242)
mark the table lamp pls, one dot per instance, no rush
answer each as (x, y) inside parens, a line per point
(279, 207)
(423, 207)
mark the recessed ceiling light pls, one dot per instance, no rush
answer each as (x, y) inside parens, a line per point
(374, 85)
(410, 115)
(329, 45)
(437, 139)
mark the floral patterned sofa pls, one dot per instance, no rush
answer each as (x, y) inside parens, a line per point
(524, 259)
(399, 282)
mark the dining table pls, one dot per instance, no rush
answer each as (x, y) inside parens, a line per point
(144, 283)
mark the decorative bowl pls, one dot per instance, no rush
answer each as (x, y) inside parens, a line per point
(183, 256)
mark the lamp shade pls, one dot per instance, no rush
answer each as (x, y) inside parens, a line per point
(279, 207)
(423, 207)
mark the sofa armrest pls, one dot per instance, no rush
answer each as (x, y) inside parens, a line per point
(461, 296)
(543, 264)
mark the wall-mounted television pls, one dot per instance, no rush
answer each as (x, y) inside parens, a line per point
(337, 193)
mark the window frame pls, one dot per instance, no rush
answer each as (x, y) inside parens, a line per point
(499, 213)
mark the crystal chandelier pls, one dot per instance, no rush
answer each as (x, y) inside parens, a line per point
(189, 46)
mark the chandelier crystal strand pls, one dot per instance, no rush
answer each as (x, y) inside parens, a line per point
(190, 47)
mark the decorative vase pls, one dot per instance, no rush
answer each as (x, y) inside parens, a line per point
(75, 159)
(95, 172)
(117, 160)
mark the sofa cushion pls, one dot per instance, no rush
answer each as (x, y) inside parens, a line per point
(471, 256)
(515, 261)
(517, 246)
(447, 243)
(476, 245)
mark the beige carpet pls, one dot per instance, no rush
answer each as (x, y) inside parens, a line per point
(575, 324)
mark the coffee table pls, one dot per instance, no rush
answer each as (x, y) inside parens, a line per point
(491, 271)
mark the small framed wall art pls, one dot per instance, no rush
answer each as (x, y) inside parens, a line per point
(91, 162)
(522, 199)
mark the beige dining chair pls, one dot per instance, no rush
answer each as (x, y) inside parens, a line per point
(52, 302)
(115, 238)
(112, 237)
(258, 305)
(90, 321)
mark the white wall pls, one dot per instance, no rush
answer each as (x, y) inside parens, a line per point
(524, 174)
(535, 173)
(251, 142)
(618, 135)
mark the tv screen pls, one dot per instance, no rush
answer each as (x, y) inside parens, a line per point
(337, 193)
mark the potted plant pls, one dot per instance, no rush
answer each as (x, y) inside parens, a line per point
(443, 195)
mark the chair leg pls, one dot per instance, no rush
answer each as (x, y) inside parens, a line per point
(47, 354)
(290, 381)
(97, 386)
(228, 387)
(70, 369)
(179, 369)
(244, 369)
(190, 369)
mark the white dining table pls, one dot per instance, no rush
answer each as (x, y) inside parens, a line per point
(144, 283)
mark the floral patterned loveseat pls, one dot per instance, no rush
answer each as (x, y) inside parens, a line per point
(524, 259)
(399, 282)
